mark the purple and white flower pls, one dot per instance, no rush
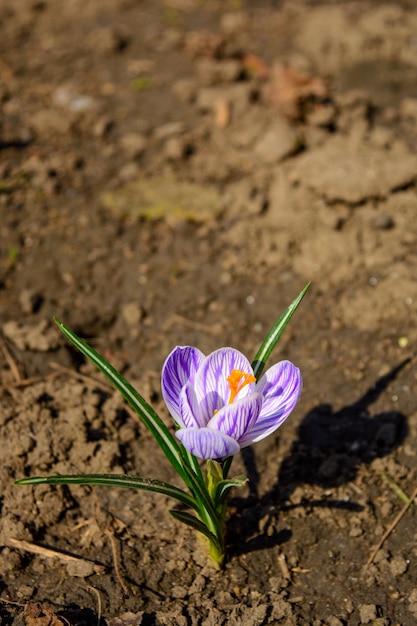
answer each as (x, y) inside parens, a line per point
(217, 403)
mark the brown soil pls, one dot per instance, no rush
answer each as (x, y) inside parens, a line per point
(174, 172)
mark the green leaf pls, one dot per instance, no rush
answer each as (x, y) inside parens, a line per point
(224, 486)
(197, 524)
(186, 465)
(274, 334)
(151, 420)
(226, 466)
(206, 506)
(114, 480)
(192, 463)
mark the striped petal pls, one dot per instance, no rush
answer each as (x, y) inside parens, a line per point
(180, 367)
(281, 388)
(191, 416)
(206, 443)
(211, 385)
(236, 418)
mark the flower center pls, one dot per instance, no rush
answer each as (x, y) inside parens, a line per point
(237, 380)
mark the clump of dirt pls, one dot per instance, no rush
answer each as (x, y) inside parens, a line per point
(172, 173)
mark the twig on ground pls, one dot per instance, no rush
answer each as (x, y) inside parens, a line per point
(97, 593)
(34, 548)
(392, 526)
(10, 360)
(116, 563)
(25, 382)
(282, 562)
(12, 602)
(87, 379)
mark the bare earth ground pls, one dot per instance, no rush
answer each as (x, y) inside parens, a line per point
(174, 173)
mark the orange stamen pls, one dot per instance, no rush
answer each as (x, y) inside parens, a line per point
(237, 380)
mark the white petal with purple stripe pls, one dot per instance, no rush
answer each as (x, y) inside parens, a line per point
(236, 418)
(180, 367)
(206, 443)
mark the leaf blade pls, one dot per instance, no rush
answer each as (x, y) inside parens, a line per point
(151, 420)
(224, 486)
(197, 524)
(275, 333)
(114, 480)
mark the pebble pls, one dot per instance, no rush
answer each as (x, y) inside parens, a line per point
(47, 121)
(103, 126)
(169, 130)
(133, 144)
(233, 22)
(279, 141)
(67, 96)
(398, 565)
(367, 612)
(30, 301)
(412, 599)
(408, 108)
(39, 337)
(175, 148)
(382, 221)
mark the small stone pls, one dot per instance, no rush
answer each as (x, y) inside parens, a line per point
(170, 129)
(398, 565)
(178, 591)
(38, 337)
(48, 121)
(408, 108)
(367, 613)
(233, 22)
(175, 148)
(30, 301)
(131, 313)
(412, 599)
(103, 126)
(80, 568)
(66, 96)
(382, 221)
(279, 141)
(134, 144)
(129, 171)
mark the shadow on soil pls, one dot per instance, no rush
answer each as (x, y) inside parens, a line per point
(328, 451)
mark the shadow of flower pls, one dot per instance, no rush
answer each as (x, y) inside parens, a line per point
(330, 447)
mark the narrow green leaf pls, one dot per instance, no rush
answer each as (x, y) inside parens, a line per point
(206, 506)
(226, 466)
(192, 463)
(197, 524)
(113, 480)
(224, 486)
(274, 334)
(151, 420)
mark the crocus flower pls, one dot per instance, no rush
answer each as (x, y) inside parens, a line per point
(218, 404)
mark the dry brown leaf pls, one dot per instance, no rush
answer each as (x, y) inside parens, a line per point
(37, 615)
(255, 66)
(289, 88)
